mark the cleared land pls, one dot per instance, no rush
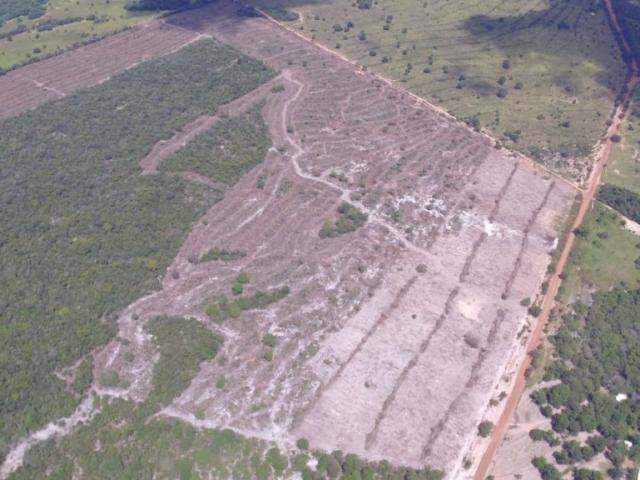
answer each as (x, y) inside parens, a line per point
(541, 76)
(406, 318)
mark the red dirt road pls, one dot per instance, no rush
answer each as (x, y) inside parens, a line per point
(602, 158)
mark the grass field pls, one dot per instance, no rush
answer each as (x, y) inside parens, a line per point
(40, 37)
(540, 75)
(624, 169)
(83, 233)
(603, 256)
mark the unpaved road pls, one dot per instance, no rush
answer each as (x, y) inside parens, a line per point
(603, 152)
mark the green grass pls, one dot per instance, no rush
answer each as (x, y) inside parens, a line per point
(224, 153)
(564, 67)
(624, 169)
(82, 232)
(100, 18)
(602, 262)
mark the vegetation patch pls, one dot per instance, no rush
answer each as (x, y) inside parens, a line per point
(222, 254)
(596, 363)
(10, 9)
(604, 255)
(223, 308)
(227, 151)
(349, 220)
(83, 234)
(183, 344)
(623, 200)
(280, 13)
(165, 4)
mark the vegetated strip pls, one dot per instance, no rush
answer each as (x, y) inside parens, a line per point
(83, 234)
(438, 428)
(373, 434)
(624, 201)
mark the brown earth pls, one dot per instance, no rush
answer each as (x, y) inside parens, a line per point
(373, 357)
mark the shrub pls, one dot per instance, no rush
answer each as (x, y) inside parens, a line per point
(535, 310)
(349, 220)
(270, 340)
(109, 378)
(485, 428)
(302, 443)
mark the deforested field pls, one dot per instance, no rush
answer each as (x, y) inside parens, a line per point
(358, 259)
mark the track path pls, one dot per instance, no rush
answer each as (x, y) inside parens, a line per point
(602, 153)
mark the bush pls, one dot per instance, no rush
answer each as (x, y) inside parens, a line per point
(270, 340)
(535, 310)
(349, 220)
(485, 428)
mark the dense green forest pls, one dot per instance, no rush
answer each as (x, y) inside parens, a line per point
(82, 233)
(624, 201)
(240, 143)
(597, 357)
(628, 12)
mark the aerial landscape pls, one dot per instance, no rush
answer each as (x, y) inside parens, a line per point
(329, 239)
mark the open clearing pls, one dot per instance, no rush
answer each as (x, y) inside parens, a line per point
(392, 338)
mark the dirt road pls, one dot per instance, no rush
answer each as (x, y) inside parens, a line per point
(603, 151)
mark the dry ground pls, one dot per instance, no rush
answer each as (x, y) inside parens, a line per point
(373, 357)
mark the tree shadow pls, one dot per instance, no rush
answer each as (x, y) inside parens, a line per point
(545, 32)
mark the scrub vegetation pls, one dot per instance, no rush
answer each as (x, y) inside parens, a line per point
(227, 151)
